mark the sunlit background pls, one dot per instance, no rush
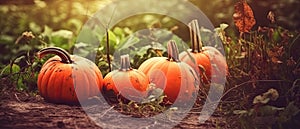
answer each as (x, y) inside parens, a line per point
(40, 16)
(20, 15)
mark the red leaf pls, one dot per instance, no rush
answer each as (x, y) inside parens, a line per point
(243, 16)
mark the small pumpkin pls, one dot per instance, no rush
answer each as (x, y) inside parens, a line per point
(208, 62)
(67, 78)
(130, 83)
(171, 75)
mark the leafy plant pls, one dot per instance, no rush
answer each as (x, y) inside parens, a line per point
(24, 65)
(266, 116)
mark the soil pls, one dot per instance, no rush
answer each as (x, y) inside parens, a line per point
(21, 110)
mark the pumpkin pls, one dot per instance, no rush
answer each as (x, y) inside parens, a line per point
(130, 83)
(67, 78)
(177, 79)
(207, 61)
(219, 69)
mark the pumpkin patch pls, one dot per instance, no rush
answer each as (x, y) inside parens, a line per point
(238, 66)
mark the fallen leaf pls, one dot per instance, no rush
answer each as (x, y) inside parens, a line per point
(271, 17)
(243, 16)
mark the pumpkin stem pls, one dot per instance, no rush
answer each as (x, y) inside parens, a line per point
(195, 36)
(173, 54)
(64, 55)
(125, 63)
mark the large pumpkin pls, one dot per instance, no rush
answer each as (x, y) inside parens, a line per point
(130, 83)
(67, 78)
(171, 75)
(209, 63)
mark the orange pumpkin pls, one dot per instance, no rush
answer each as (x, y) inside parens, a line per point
(208, 62)
(67, 78)
(219, 69)
(171, 75)
(130, 83)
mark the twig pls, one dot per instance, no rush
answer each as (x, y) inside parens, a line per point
(107, 41)
(107, 49)
(17, 98)
(105, 112)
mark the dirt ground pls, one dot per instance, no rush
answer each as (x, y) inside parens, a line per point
(21, 110)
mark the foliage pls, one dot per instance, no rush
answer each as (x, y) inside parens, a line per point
(262, 115)
(24, 66)
(243, 17)
(221, 11)
(263, 59)
(23, 55)
(42, 17)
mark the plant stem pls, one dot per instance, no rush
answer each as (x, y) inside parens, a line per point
(107, 50)
(173, 54)
(64, 55)
(125, 63)
(195, 36)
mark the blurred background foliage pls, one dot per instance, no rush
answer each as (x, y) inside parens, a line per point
(66, 17)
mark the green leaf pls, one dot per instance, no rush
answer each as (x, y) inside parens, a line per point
(18, 60)
(74, 23)
(276, 35)
(20, 84)
(131, 41)
(112, 38)
(66, 34)
(163, 35)
(87, 35)
(81, 45)
(6, 39)
(143, 50)
(119, 32)
(62, 38)
(10, 69)
(47, 31)
(34, 27)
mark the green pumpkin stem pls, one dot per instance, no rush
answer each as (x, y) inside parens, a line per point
(64, 55)
(125, 63)
(195, 36)
(173, 54)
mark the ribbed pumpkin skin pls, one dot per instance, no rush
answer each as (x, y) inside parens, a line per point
(127, 83)
(200, 58)
(171, 75)
(212, 61)
(146, 65)
(131, 84)
(60, 82)
(220, 69)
